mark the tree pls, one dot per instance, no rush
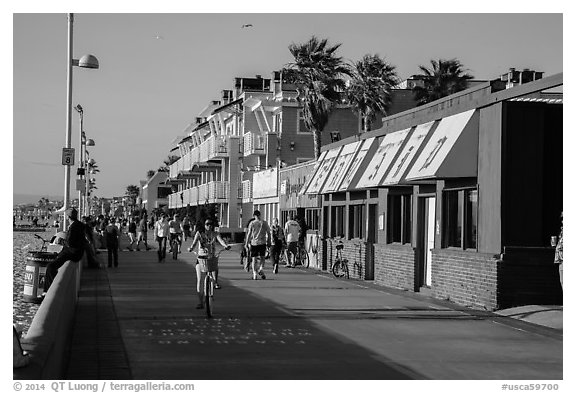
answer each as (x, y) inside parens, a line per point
(445, 77)
(318, 76)
(369, 91)
(150, 173)
(167, 162)
(133, 192)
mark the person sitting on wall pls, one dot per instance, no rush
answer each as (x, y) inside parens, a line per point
(73, 249)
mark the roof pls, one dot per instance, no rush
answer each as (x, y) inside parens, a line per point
(228, 105)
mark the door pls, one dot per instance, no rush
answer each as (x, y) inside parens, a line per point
(426, 225)
(370, 240)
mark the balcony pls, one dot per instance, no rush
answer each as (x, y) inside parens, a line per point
(254, 144)
(218, 191)
(213, 148)
(246, 191)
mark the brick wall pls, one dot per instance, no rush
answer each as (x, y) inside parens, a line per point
(465, 278)
(394, 266)
(355, 251)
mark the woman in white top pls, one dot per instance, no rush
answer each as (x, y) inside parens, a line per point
(161, 229)
(206, 240)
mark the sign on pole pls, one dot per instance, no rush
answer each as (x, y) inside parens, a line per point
(68, 156)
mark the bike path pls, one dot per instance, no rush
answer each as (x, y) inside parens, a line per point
(302, 324)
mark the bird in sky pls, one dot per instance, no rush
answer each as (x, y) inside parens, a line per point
(246, 25)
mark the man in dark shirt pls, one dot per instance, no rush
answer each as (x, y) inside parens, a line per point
(73, 247)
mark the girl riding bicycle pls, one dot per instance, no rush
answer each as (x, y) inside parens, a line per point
(206, 239)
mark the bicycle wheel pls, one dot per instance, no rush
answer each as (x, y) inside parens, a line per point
(283, 260)
(338, 269)
(303, 257)
(175, 249)
(209, 295)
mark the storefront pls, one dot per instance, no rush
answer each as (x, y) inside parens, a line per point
(457, 198)
(305, 207)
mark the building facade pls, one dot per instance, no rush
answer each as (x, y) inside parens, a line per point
(456, 199)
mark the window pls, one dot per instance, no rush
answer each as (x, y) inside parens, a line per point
(399, 219)
(163, 192)
(461, 218)
(301, 125)
(337, 228)
(357, 222)
(312, 219)
(277, 124)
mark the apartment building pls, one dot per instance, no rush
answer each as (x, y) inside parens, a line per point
(255, 127)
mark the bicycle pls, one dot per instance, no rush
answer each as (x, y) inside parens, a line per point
(209, 266)
(301, 257)
(340, 266)
(44, 241)
(175, 245)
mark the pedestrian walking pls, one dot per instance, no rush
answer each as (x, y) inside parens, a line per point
(132, 233)
(161, 231)
(292, 231)
(143, 233)
(112, 242)
(559, 256)
(257, 240)
(278, 241)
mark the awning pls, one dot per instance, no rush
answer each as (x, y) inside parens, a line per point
(323, 171)
(407, 153)
(388, 150)
(451, 150)
(313, 173)
(358, 164)
(342, 164)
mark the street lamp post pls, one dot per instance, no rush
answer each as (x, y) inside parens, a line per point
(86, 61)
(82, 144)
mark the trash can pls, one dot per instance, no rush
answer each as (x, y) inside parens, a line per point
(35, 274)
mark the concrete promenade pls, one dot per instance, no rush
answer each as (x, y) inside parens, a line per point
(139, 321)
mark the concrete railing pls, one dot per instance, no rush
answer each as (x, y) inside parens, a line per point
(50, 333)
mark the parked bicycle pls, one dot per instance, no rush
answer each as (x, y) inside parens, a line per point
(340, 267)
(44, 242)
(208, 267)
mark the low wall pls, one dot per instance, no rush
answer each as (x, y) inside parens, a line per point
(49, 335)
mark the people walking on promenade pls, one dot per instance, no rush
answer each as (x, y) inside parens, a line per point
(132, 233)
(292, 231)
(143, 232)
(278, 241)
(161, 231)
(257, 240)
(73, 249)
(206, 239)
(112, 242)
(559, 256)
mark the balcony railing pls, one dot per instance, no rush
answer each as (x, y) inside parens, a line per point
(247, 191)
(254, 144)
(218, 190)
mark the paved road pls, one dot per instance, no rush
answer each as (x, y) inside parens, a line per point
(302, 324)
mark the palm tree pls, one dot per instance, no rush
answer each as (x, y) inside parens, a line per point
(150, 173)
(318, 75)
(369, 91)
(445, 77)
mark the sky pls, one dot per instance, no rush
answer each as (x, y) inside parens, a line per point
(158, 70)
